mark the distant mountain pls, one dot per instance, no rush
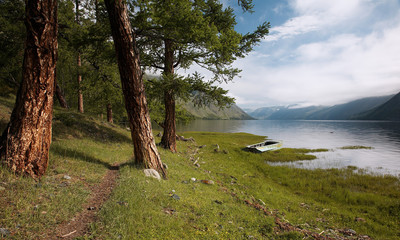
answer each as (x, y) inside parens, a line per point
(349, 110)
(390, 110)
(214, 112)
(294, 113)
(345, 111)
(264, 113)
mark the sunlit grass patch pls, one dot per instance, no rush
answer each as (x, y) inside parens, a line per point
(201, 211)
(316, 200)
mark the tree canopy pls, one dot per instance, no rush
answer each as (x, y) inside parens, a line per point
(177, 34)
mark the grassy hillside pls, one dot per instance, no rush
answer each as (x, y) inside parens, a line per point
(214, 112)
(82, 150)
(240, 197)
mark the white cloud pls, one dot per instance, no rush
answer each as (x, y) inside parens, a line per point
(317, 15)
(340, 69)
(329, 52)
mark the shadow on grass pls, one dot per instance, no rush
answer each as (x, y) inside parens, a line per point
(65, 152)
(3, 125)
(67, 123)
(8, 101)
(70, 123)
(251, 150)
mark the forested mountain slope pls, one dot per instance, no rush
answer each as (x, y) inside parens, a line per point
(214, 112)
(346, 111)
(387, 111)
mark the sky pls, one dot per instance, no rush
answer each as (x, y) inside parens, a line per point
(318, 52)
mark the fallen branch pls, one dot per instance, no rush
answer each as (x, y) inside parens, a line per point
(69, 234)
(182, 138)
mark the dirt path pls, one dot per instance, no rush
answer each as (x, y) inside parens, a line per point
(79, 224)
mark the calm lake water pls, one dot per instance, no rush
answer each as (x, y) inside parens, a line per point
(383, 137)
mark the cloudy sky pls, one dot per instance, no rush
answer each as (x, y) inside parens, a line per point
(319, 52)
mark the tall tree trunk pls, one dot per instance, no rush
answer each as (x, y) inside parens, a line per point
(168, 139)
(96, 9)
(145, 149)
(80, 95)
(79, 64)
(26, 141)
(109, 113)
(60, 95)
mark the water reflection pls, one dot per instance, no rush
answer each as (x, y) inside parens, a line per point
(384, 137)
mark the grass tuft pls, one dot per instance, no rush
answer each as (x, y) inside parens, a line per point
(291, 154)
(354, 147)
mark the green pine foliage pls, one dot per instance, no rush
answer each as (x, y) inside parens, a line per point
(198, 32)
(202, 33)
(91, 38)
(12, 37)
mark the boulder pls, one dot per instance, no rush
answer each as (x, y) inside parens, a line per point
(152, 173)
(176, 197)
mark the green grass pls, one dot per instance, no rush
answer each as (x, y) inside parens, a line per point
(317, 200)
(84, 148)
(291, 154)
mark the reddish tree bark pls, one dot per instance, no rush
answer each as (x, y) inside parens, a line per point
(168, 139)
(26, 141)
(145, 149)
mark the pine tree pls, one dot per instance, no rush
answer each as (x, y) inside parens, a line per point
(145, 149)
(178, 33)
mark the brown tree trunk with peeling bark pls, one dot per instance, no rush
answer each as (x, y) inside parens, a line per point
(25, 143)
(168, 139)
(145, 149)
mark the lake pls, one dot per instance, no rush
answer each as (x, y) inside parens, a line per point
(383, 137)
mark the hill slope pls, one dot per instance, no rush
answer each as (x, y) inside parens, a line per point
(264, 113)
(338, 112)
(294, 113)
(214, 112)
(390, 110)
(350, 109)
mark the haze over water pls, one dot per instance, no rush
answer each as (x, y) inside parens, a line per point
(383, 137)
